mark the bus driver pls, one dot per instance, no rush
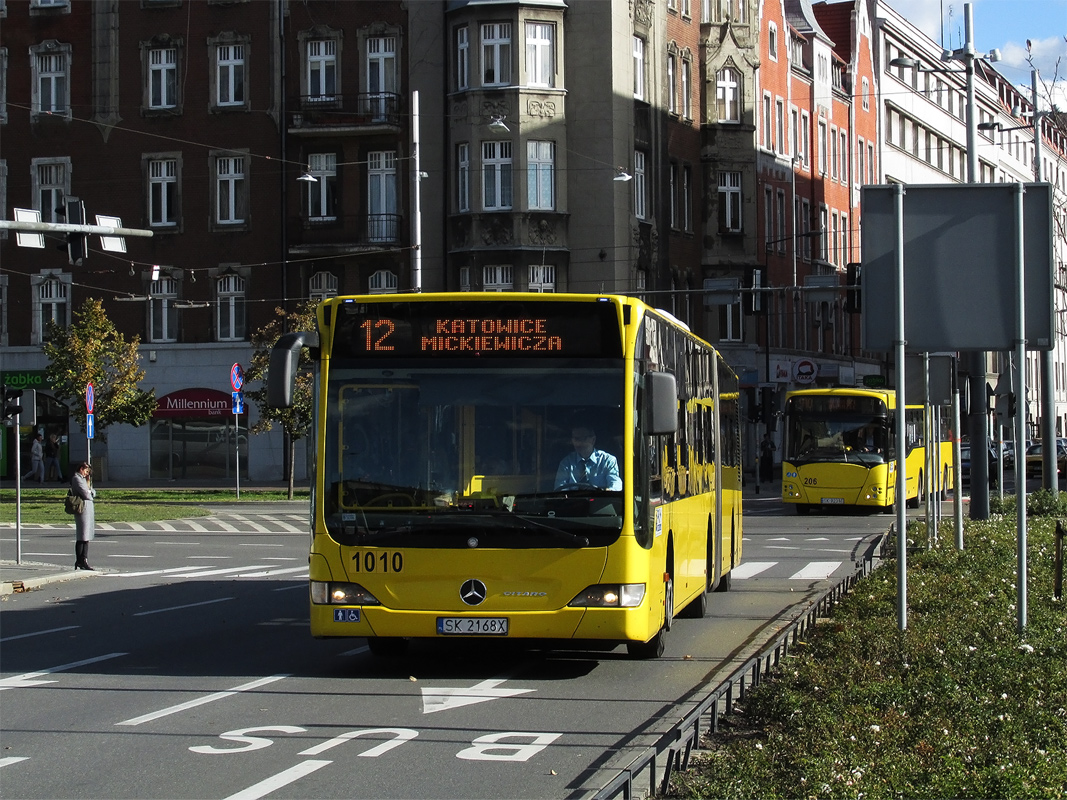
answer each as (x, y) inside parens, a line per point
(587, 466)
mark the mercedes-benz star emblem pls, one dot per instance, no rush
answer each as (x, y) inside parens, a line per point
(472, 592)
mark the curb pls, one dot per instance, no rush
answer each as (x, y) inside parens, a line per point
(29, 584)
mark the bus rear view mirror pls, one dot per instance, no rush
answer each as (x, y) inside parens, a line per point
(284, 361)
(662, 406)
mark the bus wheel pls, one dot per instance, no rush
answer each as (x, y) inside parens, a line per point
(697, 608)
(387, 648)
(803, 509)
(655, 646)
(724, 583)
(913, 502)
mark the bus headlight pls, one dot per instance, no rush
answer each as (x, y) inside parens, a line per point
(341, 594)
(611, 595)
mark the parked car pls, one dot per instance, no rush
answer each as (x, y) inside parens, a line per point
(1034, 454)
(965, 463)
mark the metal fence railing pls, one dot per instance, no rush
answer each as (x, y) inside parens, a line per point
(675, 747)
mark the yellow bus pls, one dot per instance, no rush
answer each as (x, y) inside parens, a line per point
(839, 449)
(447, 496)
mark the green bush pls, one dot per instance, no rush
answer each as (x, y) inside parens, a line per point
(960, 704)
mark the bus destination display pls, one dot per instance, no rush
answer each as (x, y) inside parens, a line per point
(477, 329)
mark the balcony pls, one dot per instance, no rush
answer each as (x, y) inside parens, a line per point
(354, 233)
(322, 115)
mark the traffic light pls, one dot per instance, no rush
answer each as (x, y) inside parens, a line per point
(77, 251)
(73, 210)
(853, 277)
(12, 408)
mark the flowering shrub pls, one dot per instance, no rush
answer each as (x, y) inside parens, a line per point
(958, 705)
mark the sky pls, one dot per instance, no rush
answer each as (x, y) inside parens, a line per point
(1005, 25)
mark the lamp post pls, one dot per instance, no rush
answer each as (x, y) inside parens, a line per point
(978, 422)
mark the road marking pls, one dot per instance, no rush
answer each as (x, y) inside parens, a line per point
(204, 573)
(127, 555)
(179, 608)
(259, 544)
(266, 572)
(7, 762)
(440, 698)
(288, 588)
(168, 571)
(283, 778)
(749, 569)
(200, 701)
(816, 570)
(31, 678)
(37, 633)
(355, 651)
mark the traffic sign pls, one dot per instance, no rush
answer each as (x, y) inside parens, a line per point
(238, 402)
(90, 399)
(90, 426)
(237, 377)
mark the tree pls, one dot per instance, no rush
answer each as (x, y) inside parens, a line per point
(93, 351)
(294, 421)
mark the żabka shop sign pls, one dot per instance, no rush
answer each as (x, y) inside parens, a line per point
(194, 403)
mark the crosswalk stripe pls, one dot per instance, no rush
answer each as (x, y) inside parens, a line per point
(266, 572)
(225, 571)
(750, 568)
(816, 570)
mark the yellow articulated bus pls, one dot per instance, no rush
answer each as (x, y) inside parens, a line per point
(529, 466)
(839, 449)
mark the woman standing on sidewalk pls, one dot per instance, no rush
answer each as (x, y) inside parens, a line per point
(84, 521)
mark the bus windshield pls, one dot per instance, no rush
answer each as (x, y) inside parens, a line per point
(849, 438)
(479, 453)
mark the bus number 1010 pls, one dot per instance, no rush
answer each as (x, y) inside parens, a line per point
(379, 562)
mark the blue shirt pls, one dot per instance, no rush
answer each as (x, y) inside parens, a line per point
(601, 471)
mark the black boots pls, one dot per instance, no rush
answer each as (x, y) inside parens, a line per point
(81, 556)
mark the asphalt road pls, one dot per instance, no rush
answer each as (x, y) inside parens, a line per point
(185, 670)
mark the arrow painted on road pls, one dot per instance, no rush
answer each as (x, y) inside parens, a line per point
(29, 679)
(441, 698)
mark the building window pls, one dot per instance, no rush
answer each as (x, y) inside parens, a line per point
(322, 193)
(805, 221)
(639, 67)
(823, 237)
(51, 79)
(322, 286)
(463, 177)
(687, 198)
(870, 163)
(794, 133)
(805, 142)
(728, 95)
(861, 163)
(382, 282)
(640, 190)
(833, 153)
(3, 85)
(51, 184)
(542, 278)
(768, 122)
(822, 147)
(540, 62)
(866, 84)
(230, 75)
(464, 279)
(497, 278)
(496, 54)
(382, 215)
(163, 78)
(53, 303)
(779, 233)
(230, 320)
(772, 41)
(231, 196)
(496, 176)
(163, 192)
(463, 58)
(322, 70)
(833, 238)
(729, 202)
(843, 152)
(540, 175)
(687, 82)
(163, 317)
(730, 329)
(672, 196)
(768, 218)
(779, 126)
(381, 75)
(672, 83)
